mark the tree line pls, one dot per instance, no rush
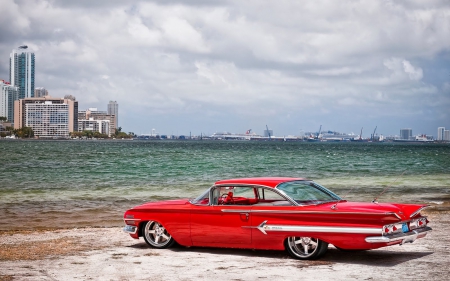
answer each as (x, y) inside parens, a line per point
(24, 132)
(118, 134)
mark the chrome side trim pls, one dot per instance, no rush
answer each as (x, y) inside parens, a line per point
(125, 219)
(309, 212)
(418, 211)
(235, 211)
(130, 229)
(263, 227)
(407, 237)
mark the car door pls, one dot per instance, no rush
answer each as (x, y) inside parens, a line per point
(274, 210)
(221, 223)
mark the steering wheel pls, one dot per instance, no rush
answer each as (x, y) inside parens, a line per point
(226, 199)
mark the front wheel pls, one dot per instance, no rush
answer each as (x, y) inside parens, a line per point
(305, 248)
(156, 235)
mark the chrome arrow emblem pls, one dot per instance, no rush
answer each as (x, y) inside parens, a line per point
(262, 227)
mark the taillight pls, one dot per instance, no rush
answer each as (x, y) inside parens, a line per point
(387, 229)
(422, 222)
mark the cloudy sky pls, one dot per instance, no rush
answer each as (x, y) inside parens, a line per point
(205, 66)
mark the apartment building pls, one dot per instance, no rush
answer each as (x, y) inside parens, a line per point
(48, 117)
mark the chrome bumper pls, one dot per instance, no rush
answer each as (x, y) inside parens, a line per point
(130, 229)
(407, 237)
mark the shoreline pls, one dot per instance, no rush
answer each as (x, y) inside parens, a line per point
(106, 253)
(57, 219)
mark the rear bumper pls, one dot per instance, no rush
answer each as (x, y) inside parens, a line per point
(130, 229)
(407, 237)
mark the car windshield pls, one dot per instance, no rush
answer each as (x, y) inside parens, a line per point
(307, 192)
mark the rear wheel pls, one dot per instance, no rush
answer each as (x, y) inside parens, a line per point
(305, 248)
(156, 235)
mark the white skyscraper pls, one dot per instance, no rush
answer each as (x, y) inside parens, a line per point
(21, 71)
(8, 94)
(440, 134)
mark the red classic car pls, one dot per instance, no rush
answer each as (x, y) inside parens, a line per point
(295, 214)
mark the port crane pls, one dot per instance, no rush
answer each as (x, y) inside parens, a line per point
(268, 132)
(373, 136)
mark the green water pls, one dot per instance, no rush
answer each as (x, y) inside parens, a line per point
(83, 178)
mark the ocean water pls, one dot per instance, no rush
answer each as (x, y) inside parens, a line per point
(52, 184)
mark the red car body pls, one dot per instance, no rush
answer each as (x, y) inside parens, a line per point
(275, 214)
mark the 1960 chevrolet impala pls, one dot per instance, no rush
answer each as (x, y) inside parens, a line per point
(295, 214)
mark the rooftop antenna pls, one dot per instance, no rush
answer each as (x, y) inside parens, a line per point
(384, 190)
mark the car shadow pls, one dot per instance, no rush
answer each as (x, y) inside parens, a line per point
(378, 257)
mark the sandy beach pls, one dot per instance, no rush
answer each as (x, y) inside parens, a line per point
(109, 254)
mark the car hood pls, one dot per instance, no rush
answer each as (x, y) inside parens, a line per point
(403, 211)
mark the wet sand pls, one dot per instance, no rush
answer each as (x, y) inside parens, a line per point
(109, 254)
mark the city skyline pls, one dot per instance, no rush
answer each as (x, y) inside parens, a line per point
(180, 67)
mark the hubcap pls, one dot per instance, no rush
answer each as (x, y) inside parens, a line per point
(303, 246)
(156, 234)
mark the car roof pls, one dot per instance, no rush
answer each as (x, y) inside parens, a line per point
(266, 181)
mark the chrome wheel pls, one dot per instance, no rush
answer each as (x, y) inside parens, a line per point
(305, 247)
(156, 235)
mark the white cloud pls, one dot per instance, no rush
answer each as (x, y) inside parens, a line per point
(413, 72)
(178, 32)
(402, 69)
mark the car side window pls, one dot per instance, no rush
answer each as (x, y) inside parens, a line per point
(271, 198)
(245, 192)
(235, 195)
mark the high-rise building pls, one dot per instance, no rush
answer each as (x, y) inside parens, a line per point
(113, 109)
(48, 117)
(440, 133)
(21, 71)
(40, 92)
(405, 134)
(8, 94)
